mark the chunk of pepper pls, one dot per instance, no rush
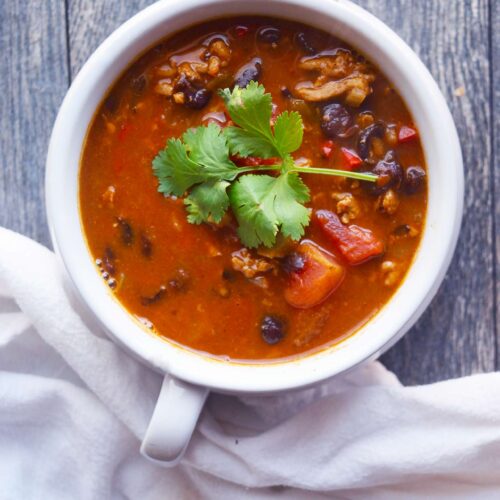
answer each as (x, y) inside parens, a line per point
(253, 161)
(407, 134)
(350, 159)
(355, 243)
(316, 280)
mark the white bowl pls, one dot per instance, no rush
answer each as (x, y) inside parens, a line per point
(445, 178)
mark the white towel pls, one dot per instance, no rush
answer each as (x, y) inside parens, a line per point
(74, 407)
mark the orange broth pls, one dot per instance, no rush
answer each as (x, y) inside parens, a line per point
(179, 278)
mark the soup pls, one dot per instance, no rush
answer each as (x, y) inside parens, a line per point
(212, 201)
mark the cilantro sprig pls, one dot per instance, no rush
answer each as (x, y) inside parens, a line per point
(199, 166)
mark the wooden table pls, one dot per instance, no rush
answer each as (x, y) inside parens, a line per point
(44, 44)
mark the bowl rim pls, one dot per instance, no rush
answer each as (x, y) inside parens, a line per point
(429, 110)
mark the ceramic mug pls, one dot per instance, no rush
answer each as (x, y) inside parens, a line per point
(190, 375)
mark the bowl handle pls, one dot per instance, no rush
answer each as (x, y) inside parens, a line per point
(174, 418)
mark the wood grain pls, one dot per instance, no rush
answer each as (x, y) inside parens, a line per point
(495, 159)
(459, 40)
(456, 335)
(33, 79)
(91, 21)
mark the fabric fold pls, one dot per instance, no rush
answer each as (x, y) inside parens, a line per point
(74, 406)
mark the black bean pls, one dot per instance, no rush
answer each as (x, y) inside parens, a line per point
(414, 179)
(293, 262)
(146, 246)
(180, 281)
(335, 119)
(126, 231)
(305, 44)
(194, 97)
(272, 329)
(112, 103)
(402, 230)
(269, 34)
(147, 301)
(228, 275)
(285, 92)
(390, 175)
(199, 99)
(108, 261)
(249, 72)
(184, 85)
(139, 84)
(376, 129)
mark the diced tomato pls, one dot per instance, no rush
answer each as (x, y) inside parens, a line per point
(241, 31)
(355, 243)
(317, 280)
(327, 149)
(351, 159)
(253, 161)
(407, 134)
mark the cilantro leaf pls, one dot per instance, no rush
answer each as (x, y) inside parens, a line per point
(200, 166)
(263, 205)
(288, 132)
(207, 201)
(207, 147)
(291, 192)
(251, 109)
(245, 143)
(254, 209)
(204, 156)
(175, 170)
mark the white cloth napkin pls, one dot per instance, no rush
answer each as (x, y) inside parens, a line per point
(74, 407)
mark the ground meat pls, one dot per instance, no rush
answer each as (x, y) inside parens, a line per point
(244, 262)
(186, 82)
(388, 202)
(220, 49)
(355, 88)
(391, 272)
(347, 206)
(339, 74)
(339, 65)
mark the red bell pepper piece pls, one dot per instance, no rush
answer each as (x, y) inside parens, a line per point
(317, 280)
(355, 243)
(351, 159)
(253, 161)
(241, 31)
(407, 134)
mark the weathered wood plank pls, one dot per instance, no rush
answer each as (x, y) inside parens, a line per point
(495, 160)
(33, 78)
(91, 21)
(456, 335)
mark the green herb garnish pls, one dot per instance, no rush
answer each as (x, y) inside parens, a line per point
(200, 164)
